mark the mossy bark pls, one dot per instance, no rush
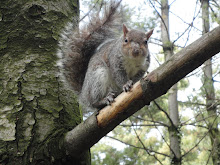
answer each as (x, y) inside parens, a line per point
(36, 110)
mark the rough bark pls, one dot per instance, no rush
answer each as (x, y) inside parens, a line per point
(36, 110)
(175, 152)
(209, 90)
(149, 88)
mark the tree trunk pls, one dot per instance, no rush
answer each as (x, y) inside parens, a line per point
(172, 93)
(219, 10)
(36, 110)
(208, 86)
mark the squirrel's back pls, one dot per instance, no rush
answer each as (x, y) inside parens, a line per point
(77, 45)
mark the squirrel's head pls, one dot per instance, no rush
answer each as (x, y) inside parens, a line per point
(135, 42)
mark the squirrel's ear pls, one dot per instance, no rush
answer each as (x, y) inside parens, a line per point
(125, 30)
(148, 34)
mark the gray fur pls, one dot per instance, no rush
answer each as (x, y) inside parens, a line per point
(110, 69)
(97, 65)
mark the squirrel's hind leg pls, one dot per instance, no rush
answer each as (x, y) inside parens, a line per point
(96, 91)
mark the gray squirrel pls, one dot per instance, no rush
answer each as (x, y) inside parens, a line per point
(97, 64)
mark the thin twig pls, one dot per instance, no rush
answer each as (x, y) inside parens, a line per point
(194, 17)
(200, 139)
(144, 145)
(167, 115)
(89, 11)
(131, 145)
(172, 2)
(140, 125)
(159, 123)
(163, 137)
(160, 17)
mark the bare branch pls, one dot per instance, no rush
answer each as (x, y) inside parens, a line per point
(139, 139)
(161, 109)
(87, 14)
(131, 145)
(215, 3)
(160, 17)
(185, 122)
(203, 119)
(159, 123)
(172, 2)
(140, 125)
(163, 136)
(201, 138)
(191, 103)
(155, 84)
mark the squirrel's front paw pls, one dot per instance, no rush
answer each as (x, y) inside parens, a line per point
(110, 98)
(127, 87)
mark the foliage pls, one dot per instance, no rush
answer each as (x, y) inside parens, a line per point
(144, 138)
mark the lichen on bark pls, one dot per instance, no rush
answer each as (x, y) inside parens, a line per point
(36, 109)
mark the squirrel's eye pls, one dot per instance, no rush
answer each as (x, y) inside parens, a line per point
(146, 41)
(126, 40)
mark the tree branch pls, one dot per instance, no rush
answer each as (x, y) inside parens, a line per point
(210, 128)
(139, 139)
(131, 145)
(155, 84)
(167, 115)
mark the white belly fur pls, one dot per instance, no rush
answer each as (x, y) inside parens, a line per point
(134, 65)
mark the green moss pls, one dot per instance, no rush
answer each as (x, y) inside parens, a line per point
(36, 107)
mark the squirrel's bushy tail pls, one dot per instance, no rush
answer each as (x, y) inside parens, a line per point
(77, 45)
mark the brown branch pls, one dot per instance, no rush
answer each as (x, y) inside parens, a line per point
(155, 84)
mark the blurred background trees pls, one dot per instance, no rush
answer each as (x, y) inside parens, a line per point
(180, 127)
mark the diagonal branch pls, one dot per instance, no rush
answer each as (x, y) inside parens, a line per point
(167, 115)
(201, 138)
(155, 84)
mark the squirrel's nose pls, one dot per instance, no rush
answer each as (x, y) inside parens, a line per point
(135, 51)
